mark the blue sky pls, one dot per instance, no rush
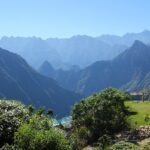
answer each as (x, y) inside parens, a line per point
(65, 18)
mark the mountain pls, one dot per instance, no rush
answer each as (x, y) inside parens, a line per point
(137, 63)
(80, 50)
(63, 77)
(14, 44)
(37, 51)
(129, 71)
(84, 50)
(34, 50)
(20, 82)
(61, 53)
(47, 69)
(127, 39)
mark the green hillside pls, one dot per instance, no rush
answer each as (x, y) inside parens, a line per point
(142, 109)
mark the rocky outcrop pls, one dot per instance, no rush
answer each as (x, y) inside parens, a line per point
(136, 135)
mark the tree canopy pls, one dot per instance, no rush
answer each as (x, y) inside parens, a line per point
(101, 113)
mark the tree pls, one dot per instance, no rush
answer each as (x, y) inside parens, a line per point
(101, 113)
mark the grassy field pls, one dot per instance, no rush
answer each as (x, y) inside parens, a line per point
(142, 109)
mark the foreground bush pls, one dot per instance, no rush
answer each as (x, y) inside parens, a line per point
(79, 138)
(24, 128)
(10, 147)
(124, 146)
(145, 144)
(39, 134)
(102, 113)
(12, 113)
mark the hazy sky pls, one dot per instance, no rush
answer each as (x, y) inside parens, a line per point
(64, 18)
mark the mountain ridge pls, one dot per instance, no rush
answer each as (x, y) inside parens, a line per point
(80, 50)
(21, 82)
(126, 71)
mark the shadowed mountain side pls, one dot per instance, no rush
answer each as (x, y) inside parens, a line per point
(19, 81)
(129, 71)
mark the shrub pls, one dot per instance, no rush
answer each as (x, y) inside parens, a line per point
(145, 145)
(39, 134)
(11, 115)
(124, 146)
(101, 113)
(79, 138)
(104, 141)
(147, 118)
(10, 147)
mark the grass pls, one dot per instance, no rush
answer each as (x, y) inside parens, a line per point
(142, 109)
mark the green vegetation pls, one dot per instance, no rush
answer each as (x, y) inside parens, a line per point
(12, 113)
(24, 128)
(124, 146)
(142, 116)
(145, 144)
(96, 121)
(38, 132)
(100, 114)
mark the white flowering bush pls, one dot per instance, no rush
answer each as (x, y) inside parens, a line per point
(12, 113)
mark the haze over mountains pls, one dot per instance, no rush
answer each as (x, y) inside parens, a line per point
(81, 64)
(129, 71)
(78, 50)
(20, 82)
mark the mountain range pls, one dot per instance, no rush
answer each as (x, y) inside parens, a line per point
(21, 82)
(79, 51)
(53, 86)
(129, 71)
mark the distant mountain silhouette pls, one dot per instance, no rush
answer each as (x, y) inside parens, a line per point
(84, 50)
(47, 69)
(61, 53)
(37, 51)
(129, 71)
(80, 50)
(127, 39)
(20, 82)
